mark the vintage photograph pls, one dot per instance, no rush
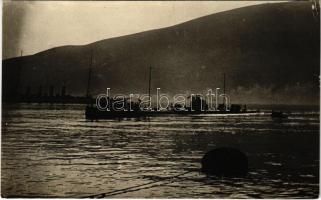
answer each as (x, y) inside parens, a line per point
(160, 99)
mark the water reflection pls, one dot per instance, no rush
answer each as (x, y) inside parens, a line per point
(53, 151)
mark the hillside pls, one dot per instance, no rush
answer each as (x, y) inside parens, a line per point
(269, 53)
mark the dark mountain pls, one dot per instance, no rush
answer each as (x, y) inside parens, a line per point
(269, 53)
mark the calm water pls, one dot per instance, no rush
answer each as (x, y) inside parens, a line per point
(51, 151)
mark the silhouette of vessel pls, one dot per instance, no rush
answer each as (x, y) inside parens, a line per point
(51, 94)
(133, 110)
(93, 113)
(279, 114)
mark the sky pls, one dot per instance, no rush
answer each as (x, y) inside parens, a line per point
(33, 26)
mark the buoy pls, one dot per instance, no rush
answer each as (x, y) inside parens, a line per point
(226, 162)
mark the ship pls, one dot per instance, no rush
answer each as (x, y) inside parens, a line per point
(92, 113)
(133, 110)
(279, 114)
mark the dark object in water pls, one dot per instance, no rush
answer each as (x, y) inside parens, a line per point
(228, 162)
(279, 114)
(92, 113)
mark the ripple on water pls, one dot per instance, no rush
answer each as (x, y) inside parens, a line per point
(53, 152)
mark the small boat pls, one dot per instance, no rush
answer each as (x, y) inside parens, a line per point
(279, 114)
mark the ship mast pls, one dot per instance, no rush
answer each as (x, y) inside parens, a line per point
(89, 74)
(150, 79)
(224, 82)
(224, 91)
(18, 85)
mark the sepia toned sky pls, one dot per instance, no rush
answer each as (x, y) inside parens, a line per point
(34, 26)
